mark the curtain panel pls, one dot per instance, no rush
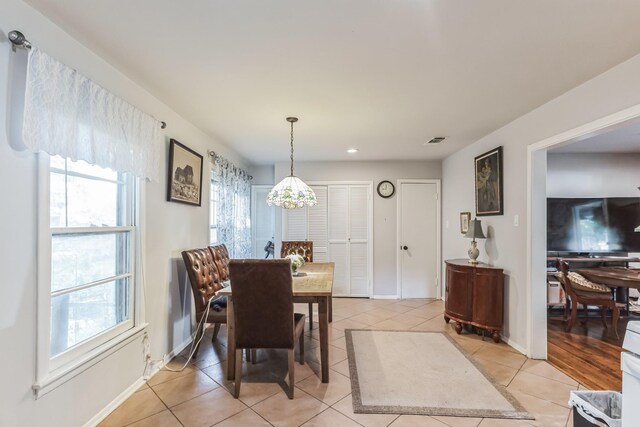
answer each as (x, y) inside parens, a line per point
(69, 115)
(234, 207)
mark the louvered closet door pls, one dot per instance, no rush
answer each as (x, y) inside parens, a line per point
(358, 240)
(338, 215)
(295, 227)
(317, 225)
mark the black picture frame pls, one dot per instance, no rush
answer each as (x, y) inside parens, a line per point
(184, 182)
(489, 183)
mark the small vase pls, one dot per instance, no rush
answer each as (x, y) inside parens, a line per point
(294, 270)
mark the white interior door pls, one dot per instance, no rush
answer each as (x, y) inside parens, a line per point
(358, 240)
(317, 225)
(262, 220)
(418, 239)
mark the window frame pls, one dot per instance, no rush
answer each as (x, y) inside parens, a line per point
(51, 371)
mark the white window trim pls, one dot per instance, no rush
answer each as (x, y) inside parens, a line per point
(53, 372)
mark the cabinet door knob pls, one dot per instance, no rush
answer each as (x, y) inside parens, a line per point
(405, 248)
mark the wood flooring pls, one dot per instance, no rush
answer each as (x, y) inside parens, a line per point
(589, 354)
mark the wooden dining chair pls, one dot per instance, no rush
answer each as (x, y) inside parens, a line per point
(205, 282)
(221, 259)
(581, 291)
(304, 248)
(265, 319)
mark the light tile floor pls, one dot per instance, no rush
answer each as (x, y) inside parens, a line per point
(199, 396)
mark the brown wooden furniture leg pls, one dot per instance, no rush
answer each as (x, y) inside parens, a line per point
(614, 320)
(231, 341)
(323, 319)
(238, 372)
(292, 370)
(458, 328)
(603, 316)
(310, 315)
(330, 309)
(574, 315)
(446, 319)
(496, 336)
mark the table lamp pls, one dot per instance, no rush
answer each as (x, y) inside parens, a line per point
(474, 232)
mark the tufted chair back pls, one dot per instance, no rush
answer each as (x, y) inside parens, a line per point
(203, 275)
(221, 259)
(300, 247)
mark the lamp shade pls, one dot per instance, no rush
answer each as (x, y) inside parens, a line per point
(475, 230)
(291, 193)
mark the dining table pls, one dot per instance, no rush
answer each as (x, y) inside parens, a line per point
(313, 283)
(621, 278)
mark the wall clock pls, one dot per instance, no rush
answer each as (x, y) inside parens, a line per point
(386, 189)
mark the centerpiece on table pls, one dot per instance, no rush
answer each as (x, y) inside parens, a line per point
(297, 261)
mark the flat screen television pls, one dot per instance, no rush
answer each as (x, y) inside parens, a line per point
(594, 225)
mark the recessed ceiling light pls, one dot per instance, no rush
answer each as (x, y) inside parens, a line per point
(352, 150)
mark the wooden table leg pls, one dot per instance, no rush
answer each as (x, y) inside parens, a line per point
(330, 309)
(323, 320)
(231, 341)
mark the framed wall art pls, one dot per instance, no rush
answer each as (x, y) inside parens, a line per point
(488, 177)
(465, 218)
(185, 175)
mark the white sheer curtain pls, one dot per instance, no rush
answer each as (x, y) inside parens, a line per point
(67, 114)
(233, 210)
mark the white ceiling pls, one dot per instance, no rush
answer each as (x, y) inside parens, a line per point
(625, 139)
(382, 76)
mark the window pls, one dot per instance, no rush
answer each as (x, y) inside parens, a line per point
(229, 209)
(89, 251)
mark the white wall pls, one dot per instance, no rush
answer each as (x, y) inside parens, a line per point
(614, 90)
(384, 210)
(593, 175)
(170, 228)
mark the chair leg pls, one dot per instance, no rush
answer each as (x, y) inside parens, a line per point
(574, 315)
(238, 376)
(603, 315)
(247, 352)
(585, 311)
(301, 347)
(567, 308)
(310, 315)
(253, 356)
(614, 320)
(292, 369)
(216, 329)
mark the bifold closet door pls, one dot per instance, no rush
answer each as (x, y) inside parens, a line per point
(349, 238)
(309, 223)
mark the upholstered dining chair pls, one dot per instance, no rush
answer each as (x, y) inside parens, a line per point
(581, 291)
(265, 319)
(205, 282)
(221, 259)
(303, 248)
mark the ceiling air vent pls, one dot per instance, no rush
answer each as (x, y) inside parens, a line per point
(436, 140)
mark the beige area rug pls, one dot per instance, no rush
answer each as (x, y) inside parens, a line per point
(422, 373)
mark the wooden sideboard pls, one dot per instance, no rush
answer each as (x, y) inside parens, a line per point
(474, 295)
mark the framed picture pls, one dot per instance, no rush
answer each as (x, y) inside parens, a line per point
(488, 176)
(465, 218)
(185, 175)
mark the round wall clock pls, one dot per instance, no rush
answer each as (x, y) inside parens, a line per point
(386, 189)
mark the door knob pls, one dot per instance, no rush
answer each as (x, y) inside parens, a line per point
(405, 248)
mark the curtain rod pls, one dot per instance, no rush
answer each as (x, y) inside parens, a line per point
(213, 154)
(18, 39)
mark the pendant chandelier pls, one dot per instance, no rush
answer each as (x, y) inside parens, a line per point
(291, 192)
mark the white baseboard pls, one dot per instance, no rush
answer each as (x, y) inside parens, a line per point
(385, 297)
(176, 351)
(115, 403)
(514, 345)
(135, 386)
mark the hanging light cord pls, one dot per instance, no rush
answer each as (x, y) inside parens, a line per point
(291, 148)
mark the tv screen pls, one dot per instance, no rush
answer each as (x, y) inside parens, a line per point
(594, 225)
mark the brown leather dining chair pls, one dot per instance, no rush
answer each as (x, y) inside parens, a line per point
(205, 282)
(303, 248)
(588, 294)
(263, 311)
(221, 259)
